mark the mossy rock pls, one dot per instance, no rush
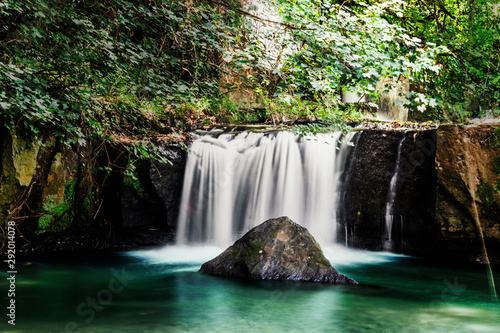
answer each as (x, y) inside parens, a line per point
(278, 249)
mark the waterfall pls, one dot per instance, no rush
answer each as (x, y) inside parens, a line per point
(390, 218)
(342, 188)
(234, 182)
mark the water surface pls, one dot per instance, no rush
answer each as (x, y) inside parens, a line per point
(161, 291)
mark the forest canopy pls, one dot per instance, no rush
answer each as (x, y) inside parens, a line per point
(125, 67)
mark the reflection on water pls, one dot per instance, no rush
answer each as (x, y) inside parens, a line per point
(165, 293)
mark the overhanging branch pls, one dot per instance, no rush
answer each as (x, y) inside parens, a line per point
(240, 11)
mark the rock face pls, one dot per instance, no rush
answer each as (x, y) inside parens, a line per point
(468, 171)
(278, 249)
(63, 199)
(363, 203)
(167, 179)
(46, 188)
(145, 215)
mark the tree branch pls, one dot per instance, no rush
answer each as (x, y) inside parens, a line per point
(240, 11)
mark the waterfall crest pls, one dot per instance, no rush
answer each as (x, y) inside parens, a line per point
(234, 182)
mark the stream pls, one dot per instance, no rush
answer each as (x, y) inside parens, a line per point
(161, 290)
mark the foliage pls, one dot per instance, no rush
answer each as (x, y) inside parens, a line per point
(320, 47)
(496, 165)
(486, 193)
(116, 65)
(129, 68)
(468, 83)
(57, 215)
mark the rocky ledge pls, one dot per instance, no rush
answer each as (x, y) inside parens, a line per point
(278, 249)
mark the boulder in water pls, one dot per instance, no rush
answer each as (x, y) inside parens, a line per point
(278, 249)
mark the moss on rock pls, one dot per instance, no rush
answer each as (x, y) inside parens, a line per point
(278, 249)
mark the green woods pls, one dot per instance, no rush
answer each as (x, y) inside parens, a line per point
(137, 68)
(125, 75)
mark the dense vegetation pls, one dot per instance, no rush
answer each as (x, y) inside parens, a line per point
(106, 68)
(128, 70)
(468, 80)
(125, 72)
(121, 68)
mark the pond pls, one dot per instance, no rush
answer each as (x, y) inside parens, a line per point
(161, 290)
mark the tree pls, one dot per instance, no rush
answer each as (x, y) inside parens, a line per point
(468, 78)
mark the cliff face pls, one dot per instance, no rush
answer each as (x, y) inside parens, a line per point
(445, 177)
(468, 170)
(46, 187)
(367, 192)
(62, 198)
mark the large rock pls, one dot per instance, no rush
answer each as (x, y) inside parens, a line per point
(278, 249)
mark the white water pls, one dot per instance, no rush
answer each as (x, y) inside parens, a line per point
(391, 197)
(190, 258)
(237, 181)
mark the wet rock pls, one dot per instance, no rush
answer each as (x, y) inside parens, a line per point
(278, 249)
(468, 178)
(22, 164)
(167, 179)
(362, 206)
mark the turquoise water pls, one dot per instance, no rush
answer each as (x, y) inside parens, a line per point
(161, 291)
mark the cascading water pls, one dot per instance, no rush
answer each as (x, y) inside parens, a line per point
(234, 182)
(347, 172)
(390, 217)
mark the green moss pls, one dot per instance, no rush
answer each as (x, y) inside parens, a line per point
(252, 252)
(235, 253)
(496, 165)
(493, 139)
(486, 193)
(57, 214)
(87, 206)
(319, 257)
